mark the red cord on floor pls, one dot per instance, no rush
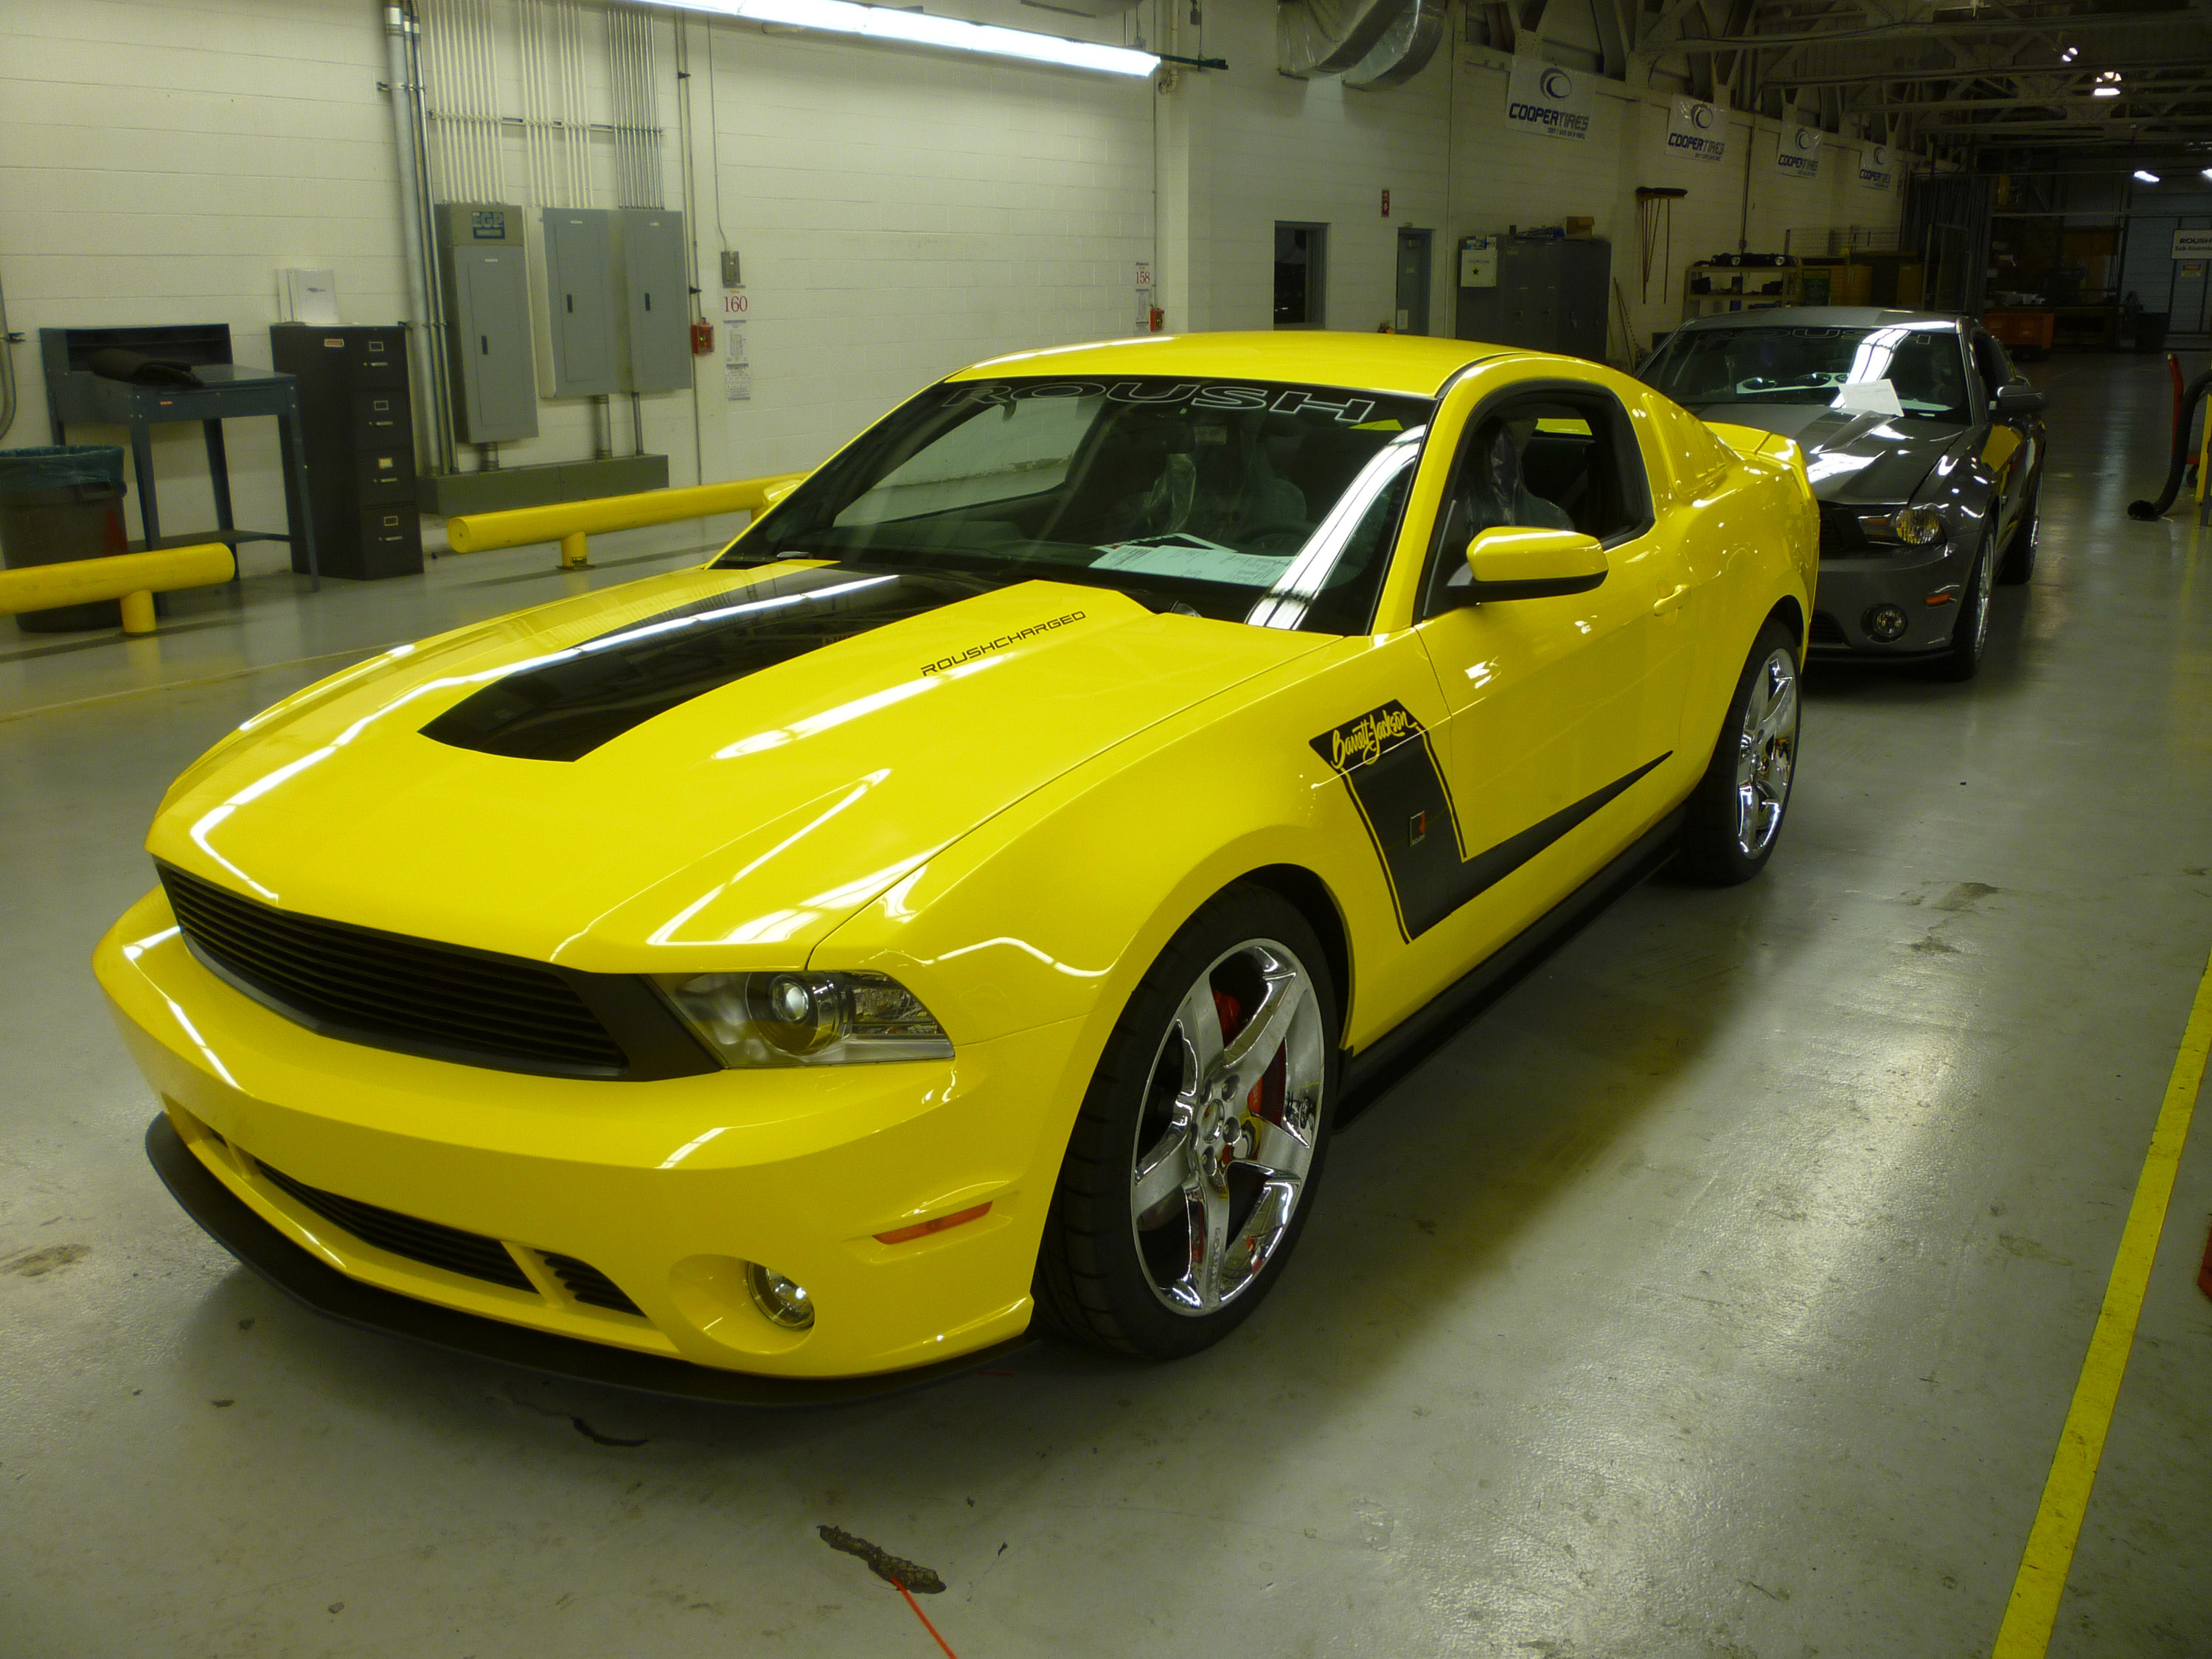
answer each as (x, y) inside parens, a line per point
(924, 1617)
(2204, 1272)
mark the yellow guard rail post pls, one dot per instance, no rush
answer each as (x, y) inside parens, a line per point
(133, 577)
(570, 522)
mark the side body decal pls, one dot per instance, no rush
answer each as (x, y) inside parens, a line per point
(1389, 763)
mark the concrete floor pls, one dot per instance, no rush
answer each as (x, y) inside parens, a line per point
(1722, 1292)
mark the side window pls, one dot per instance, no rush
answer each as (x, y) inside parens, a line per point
(1562, 460)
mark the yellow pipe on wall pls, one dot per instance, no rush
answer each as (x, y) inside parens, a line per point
(570, 522)
(133, 577)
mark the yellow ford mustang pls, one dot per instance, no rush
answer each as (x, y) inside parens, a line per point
(962, 906)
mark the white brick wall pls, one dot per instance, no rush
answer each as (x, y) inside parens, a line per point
(160, 162)
(903, 214)
(899, 213)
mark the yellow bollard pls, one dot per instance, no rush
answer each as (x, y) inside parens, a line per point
(133, 577)
(569, 522)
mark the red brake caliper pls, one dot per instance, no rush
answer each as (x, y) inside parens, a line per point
(1232, 1014)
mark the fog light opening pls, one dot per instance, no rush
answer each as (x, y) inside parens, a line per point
(1885, 623)
(781, 1301)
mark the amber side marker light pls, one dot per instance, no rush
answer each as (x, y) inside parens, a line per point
(923, 1229)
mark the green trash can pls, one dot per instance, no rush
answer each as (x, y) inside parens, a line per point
(59, 504)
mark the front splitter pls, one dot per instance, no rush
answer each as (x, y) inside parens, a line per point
(323, 1289)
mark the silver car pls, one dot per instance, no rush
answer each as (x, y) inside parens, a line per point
(1922, 442)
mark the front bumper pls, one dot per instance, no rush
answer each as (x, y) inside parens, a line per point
(1849, 587)
(666, 1188)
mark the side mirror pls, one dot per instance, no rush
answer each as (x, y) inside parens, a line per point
(1513, 563)
(2012, 402)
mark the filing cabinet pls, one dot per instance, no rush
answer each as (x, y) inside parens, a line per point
(359, 427)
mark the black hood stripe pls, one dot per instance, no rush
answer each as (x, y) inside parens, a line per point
(563, 706)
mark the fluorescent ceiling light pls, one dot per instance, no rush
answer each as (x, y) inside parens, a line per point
(920, 29)
(2208, 173)
(2103, 92)
(2147, 175)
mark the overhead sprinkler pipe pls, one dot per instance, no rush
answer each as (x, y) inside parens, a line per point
(2179, 466)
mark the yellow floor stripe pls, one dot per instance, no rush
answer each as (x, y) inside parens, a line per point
(2033, 1610)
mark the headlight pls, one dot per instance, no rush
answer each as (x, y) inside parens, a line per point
(1916, 525)
(805, 1018)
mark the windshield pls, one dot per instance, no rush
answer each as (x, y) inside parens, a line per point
(1916, 371)
(1268, 503)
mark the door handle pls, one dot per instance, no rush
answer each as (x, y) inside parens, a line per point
(1667, 601)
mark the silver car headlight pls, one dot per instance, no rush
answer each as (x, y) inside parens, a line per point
(805, 1018)
(1917, 527)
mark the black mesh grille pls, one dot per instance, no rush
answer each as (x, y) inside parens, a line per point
(1826, 630)
(390, 992)
(587, 1283)
(449, 1247)
(1840, 533)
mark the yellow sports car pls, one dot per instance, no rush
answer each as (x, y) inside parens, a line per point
(960, 908)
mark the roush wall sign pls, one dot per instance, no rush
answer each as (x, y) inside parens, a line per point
(1877, 166)
(1541, 97)
(1696, 130)
(1797, 151)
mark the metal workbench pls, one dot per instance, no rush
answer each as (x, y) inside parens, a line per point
(228, 392)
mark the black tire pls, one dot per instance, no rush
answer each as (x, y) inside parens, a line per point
(2019, 562)
(1095, 1273)
(1718, 847)
(1970, 634)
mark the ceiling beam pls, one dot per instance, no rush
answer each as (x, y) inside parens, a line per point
(2102, 110)
(1881, 34)
(1988, 71)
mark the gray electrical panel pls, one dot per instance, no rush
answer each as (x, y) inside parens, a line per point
(574, 276)
(484, 269)
(651, 274)
(1551, 295)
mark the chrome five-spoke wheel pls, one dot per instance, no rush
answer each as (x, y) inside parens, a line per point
(1766, 753)
(1231, 1108)
(1192, 1164)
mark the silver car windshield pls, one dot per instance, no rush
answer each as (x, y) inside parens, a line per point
(1910, 371)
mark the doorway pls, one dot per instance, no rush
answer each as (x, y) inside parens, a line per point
(1301, 275)
(1413, 262)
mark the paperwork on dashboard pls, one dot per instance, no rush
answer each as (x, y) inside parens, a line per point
(1193, 558)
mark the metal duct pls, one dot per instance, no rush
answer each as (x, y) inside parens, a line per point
(1327, 37)
(1083, 8)
(1405, 49)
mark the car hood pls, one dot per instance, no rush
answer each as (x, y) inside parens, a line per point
(712, 766)
(1852, 457)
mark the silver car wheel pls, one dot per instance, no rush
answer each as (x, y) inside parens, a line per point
(1231, 1112)
(1765, 752)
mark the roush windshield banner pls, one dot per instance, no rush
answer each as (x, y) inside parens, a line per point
(1542, 97)
(1695, 130)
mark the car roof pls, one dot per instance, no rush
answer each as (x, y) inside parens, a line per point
(1411, 363)
(1826, 317)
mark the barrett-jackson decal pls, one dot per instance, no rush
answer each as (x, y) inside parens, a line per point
(1344, 408)
(1388, 764)
(1001, 643)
